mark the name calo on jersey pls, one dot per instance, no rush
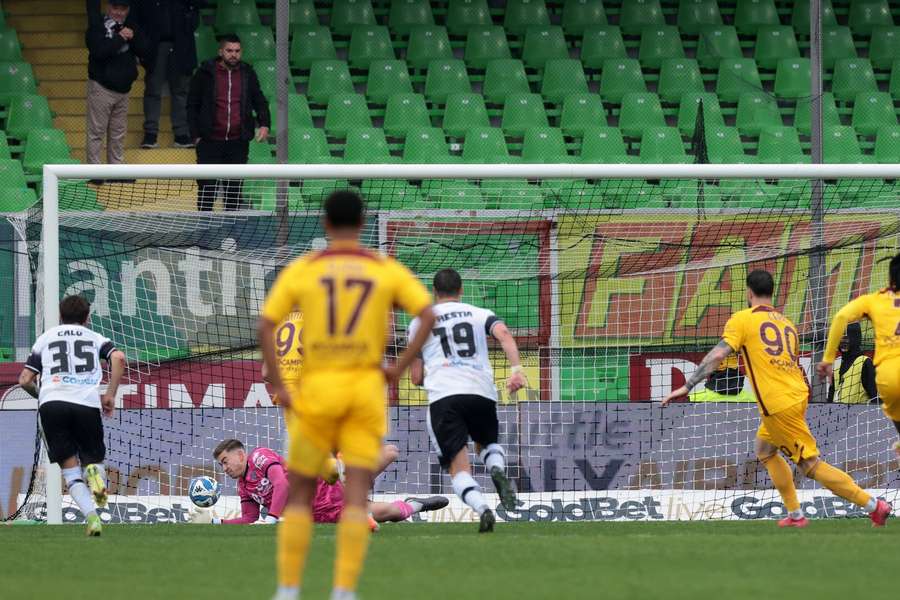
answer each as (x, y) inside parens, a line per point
(255, 484)
(456, 353)
(67, 358)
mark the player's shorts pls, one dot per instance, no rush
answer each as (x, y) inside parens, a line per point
(340, 410)
(328, 503)
(887, 380)
(789, 431)
(72, 430)
(454, 419)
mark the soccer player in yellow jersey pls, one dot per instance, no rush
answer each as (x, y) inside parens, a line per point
(883, 310)
(346, 294)
(770, 347)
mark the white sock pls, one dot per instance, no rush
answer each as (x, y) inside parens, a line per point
(79, 491)
(493, 456)
(871, 505)
(465, 486)
(337, 594)
(415, 505)
(796, 514)
(287, 592)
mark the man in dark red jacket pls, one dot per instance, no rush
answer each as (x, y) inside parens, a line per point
(225, 106)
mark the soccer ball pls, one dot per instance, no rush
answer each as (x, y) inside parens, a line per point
(204, 491)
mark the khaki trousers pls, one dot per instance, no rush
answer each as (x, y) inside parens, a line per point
(107, 116)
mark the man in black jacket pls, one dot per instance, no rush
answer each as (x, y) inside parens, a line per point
(171, 57)
(114, 46)
(223, 98)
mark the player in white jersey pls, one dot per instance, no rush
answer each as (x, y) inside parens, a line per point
(65, 363)
(456, 371)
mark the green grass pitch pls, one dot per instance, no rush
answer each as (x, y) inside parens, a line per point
(696, 561)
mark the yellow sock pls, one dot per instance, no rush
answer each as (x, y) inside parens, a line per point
(329, 471)
(352, 543)
(839, 483)
(294, 535)
(781, 475)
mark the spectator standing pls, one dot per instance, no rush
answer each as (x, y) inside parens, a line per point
(114, 46)
(171, 58)
(854, 382)
(225, 105)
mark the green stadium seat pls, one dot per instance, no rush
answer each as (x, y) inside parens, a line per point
(502, 78)
(404, 112)
(573, 194)
(750, 15)
(11, 174)
(579, 15)
(10, 50)
(486, 145)
(315, 191)
(392, 194)
(349, 14)
(687, 112)
(659, 44)
(308, 146)
(803, 113)
(755, 111)
(563, 77)
(837, 44)
(451, 194)
(369, 43)
(260, 153)
(694, 15)
(545, 145)
(346, 112)
(894, 84)
(426, 145)
(303, 12)
(865, 15)
(327, 78)
(27, 112)
(298, 112)
(580, 112)
(793, 78)
(267, 74)
(662, 145)
(386, 78)
(603, 145)
(464, 112)
(257, 43)
(446, 77)
(635, 15)
(511, 194)
(484, 44)
(16, 78)
(884, 47)
(774, 44)
(600, 44)
(723, 144)
(887, 145)
(640, 111)
(674, 193)
(236, 13)
(310, 45)
(872, 111)
(780, 145)
(522, 14)
(44, 146)
(677, 77)
(367, 146)
(405, 15)
(4, 146)
(620, 77)
(852, 76)
(717, 43)
(463, 15)
(427, 44)
(840, 145)
(521, 112)
(543, 44)
(18, 199)
(737, 76)
(800, 16)
(205, 42)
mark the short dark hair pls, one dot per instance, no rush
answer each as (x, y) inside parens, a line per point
(447, 282)
(228, 38)
(761, 283)
(74, 310)
(894, 273)
(227, 446)
(344, 209)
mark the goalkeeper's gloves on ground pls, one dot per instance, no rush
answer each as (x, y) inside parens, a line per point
(203, 516)
(267, 520)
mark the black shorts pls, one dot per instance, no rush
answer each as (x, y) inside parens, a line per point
(72, 430)
(455, 419)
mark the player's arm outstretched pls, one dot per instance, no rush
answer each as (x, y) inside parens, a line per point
(852, 312)
(710, 362)
(516, 379)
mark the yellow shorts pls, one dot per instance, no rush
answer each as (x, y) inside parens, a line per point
(789, 431)
(336, 411)
(887, 379)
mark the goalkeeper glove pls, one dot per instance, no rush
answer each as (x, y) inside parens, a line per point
(203, 516)
(267, 520)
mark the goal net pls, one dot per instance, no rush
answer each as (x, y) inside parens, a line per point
(615, 280)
